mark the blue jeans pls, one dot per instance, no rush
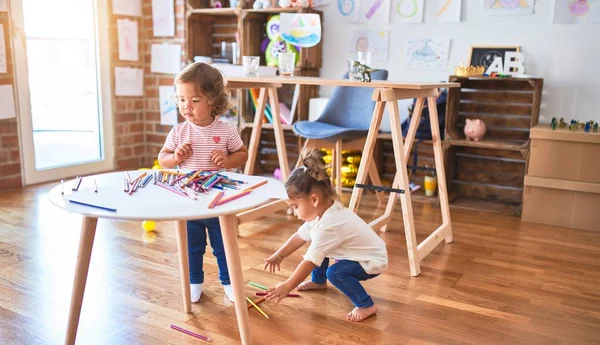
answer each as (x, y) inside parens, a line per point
(346, 276)
(196, 230)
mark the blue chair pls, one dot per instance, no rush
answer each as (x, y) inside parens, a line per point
(345, 122)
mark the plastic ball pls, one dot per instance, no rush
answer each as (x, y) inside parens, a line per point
(149, 225)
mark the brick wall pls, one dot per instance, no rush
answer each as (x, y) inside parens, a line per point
(10, 155)
(155, 133)
(138, 135)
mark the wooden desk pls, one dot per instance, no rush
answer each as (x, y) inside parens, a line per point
(153, 202)
(385, 93)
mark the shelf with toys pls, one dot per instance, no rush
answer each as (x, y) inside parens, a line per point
(486, 144)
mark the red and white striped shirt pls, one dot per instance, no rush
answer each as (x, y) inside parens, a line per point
(218, 135)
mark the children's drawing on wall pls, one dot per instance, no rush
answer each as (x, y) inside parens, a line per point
(430, 53)
(128, 39)
(300, 29)
(508, 7)
(375, 11)
(165, 58)
(163, 18)
(127, 7)
(3, 6)
(576, 11)
(168, 108)
(374, 41)
(409, 11)
(129, 81)
(444, 11)
(349, 9)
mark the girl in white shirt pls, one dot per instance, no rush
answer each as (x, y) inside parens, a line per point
(335, 233)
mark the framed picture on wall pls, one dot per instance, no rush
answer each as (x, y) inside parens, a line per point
(485, 55)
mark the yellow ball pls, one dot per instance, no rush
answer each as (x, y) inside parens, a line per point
(149, 225)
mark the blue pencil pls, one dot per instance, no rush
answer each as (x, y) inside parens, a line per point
(96, 206)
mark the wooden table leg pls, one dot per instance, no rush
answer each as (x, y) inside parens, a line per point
(86, 242)
(279, 135)
(184, 264)
(234, 265)
(256, 131)
(438, 154)
(367, 153)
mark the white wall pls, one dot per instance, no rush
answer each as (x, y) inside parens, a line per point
(566, 56)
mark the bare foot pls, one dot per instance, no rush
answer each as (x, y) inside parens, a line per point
(309, 285)
(360, 314)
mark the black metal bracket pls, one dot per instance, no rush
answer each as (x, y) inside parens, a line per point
(379, 188)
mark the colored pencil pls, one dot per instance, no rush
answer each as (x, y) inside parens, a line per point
(92, 205)
(214, 201)
(62, 187)
(219, 178)
(262, 287)
(233, 197)
(95, 186)
(155, 178)
(257, 308)
(139, 177)
(77, 182)
(125, 185)
(133, 186)
(193, 176)
(171, 189)
(288, 295)
(258, 301)
(128, 177)
(262, 183)
(191, 333)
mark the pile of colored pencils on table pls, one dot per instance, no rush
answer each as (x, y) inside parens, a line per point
(130, 186)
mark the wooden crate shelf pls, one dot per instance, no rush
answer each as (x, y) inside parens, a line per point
(488, 175)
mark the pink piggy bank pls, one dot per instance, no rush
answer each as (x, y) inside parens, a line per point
(474, 129)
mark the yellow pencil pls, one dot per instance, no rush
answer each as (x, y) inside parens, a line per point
(257, 308)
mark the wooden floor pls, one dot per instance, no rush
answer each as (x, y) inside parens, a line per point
(500, 282)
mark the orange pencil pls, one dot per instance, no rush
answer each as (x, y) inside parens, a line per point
(258, 301)
(192, 177)
(214, 201)
(233, 197)
(139, 177)
(256, 185)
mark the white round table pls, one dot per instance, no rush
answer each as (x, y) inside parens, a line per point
(155, 203)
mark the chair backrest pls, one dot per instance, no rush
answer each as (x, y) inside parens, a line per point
(351, 107)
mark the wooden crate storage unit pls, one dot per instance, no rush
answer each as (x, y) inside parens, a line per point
(488, 175)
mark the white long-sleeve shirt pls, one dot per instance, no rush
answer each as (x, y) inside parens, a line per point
(342, 235)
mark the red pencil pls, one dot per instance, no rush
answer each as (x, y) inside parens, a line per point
(214, 201)
(191, 333)
(233, 197)
(256, 185)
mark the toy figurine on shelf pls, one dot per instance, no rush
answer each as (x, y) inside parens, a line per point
(573, 125)
(588, 126)
(562, 123)
(553, 123)
(596, 127)
(364, 72)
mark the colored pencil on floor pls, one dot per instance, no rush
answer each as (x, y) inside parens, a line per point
(257, 308)
(260, 286)
(258, 301)
(191, 333)
(288, 295)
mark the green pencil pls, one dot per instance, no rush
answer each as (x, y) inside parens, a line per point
(258, 285)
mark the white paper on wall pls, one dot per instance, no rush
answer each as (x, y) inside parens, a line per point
(507, 7)
(374, 41)
(129, 81)
(163, 18)
(576, 12)
(375, 11)
(128, 39)
(7, 102)
(3, 5)
(444, 11)
(168, 108)
(3, 63)
(430, 53)
(408, 11)
(166, 58)
(127, 7)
